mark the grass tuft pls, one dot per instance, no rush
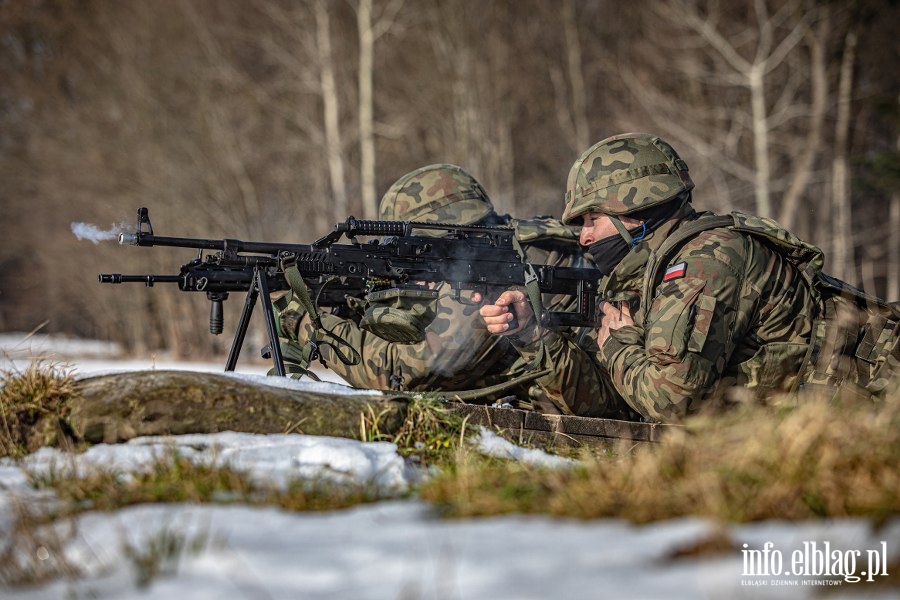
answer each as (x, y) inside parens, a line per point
(33, 406)
(161, 554)
(431, 433)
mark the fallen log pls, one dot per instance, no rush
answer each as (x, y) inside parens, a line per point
(116, 407)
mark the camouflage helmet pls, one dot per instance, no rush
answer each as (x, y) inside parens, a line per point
(624, 174)
(439, 193)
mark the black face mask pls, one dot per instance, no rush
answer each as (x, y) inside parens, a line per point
(609, 252)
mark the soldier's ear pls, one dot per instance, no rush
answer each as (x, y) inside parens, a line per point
(631, 223)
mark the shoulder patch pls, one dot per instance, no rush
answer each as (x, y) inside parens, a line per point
(675, 271)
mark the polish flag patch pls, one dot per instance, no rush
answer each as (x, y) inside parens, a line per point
(675, 271)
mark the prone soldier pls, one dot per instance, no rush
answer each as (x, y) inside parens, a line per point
(696, 304)
(416, 344)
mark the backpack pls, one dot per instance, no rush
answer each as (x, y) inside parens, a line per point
(855, 344)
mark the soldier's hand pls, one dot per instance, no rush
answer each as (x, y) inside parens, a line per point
(613, 318)
(512, 305)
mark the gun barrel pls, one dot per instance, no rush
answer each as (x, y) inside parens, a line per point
(149, 280)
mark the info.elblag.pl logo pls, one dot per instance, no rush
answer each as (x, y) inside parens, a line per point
(813, 564)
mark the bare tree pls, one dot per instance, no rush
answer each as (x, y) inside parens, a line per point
(747, 59)
(893, 262)
(571, 107)
(817, 41)
(333, 143)
(288, 38)
(842, 234)
(369, 32)
(471, 47)
(366, 107)
(893, 238)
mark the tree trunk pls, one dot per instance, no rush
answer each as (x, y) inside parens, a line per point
(841, 234)
(576, 77)
(366, 109)
(331, 106)
(760, 125)
(893, 262)
(802, 172)
(893, 244)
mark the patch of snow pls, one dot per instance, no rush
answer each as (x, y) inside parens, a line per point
(22, 346)
(326, 386)
(491, 444)
(273, 458)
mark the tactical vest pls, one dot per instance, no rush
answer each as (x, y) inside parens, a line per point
(855, 344)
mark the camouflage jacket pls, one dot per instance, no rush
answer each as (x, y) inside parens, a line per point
(723, 309)
(743, 306)
(458, 352)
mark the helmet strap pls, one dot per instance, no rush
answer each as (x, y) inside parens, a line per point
(620, 227)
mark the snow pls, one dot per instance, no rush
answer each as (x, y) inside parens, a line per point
(494, 445)
(399, 548)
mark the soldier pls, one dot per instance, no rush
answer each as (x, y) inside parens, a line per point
(696, 304)
(454, 352)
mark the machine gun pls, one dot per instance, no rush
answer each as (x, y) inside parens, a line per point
(484, 259)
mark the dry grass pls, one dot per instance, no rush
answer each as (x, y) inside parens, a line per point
(175, 478)
(816, 460)
(431, 432)
(161, 554)
(33, 406)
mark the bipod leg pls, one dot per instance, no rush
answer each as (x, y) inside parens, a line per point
(244, 323)
(262, 287)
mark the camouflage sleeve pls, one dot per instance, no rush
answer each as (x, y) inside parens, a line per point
(666, 368)
(457, 350)
(576, 384)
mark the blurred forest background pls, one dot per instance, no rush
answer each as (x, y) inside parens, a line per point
(273, 119)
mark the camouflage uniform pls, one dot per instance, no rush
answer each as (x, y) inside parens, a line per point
(458, 353)
(738, 304)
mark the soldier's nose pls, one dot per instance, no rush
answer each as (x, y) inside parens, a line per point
(585, 239)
